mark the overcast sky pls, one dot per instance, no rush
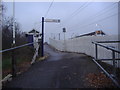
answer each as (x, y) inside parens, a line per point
(77, 17)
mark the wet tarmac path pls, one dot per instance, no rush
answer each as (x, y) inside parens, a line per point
(59, 70)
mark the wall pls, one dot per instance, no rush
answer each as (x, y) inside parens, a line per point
(119, 24)
(84, 45)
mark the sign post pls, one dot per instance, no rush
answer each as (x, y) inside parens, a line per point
(64, 31)
(42, 41)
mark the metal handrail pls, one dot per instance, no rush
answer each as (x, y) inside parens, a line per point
(108, 41)
(115, 82)
(1, 51)
(13, 58)
(97, 43)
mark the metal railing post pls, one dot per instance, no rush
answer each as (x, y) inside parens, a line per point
(96, 52)
(114, 63)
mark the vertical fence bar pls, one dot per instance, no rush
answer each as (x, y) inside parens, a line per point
(96, 52)
(114, 63)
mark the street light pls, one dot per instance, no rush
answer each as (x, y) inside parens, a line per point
(98, 30)
(98, 26)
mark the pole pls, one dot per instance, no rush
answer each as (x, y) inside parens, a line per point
(13, 44)
(114, 63)
(64, 43)
(54, 35)
(64, 36)
(96, 52)
(59, 36)
(13, 63)
(42, 44)
(64, 30)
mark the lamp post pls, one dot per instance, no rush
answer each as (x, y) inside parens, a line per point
(13, 44)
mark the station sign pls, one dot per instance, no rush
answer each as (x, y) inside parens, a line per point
(52, 20)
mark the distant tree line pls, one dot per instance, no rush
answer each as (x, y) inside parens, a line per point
(7, 33)
(7, 36)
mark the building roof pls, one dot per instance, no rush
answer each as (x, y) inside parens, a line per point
(33, 31)
(100, 32)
